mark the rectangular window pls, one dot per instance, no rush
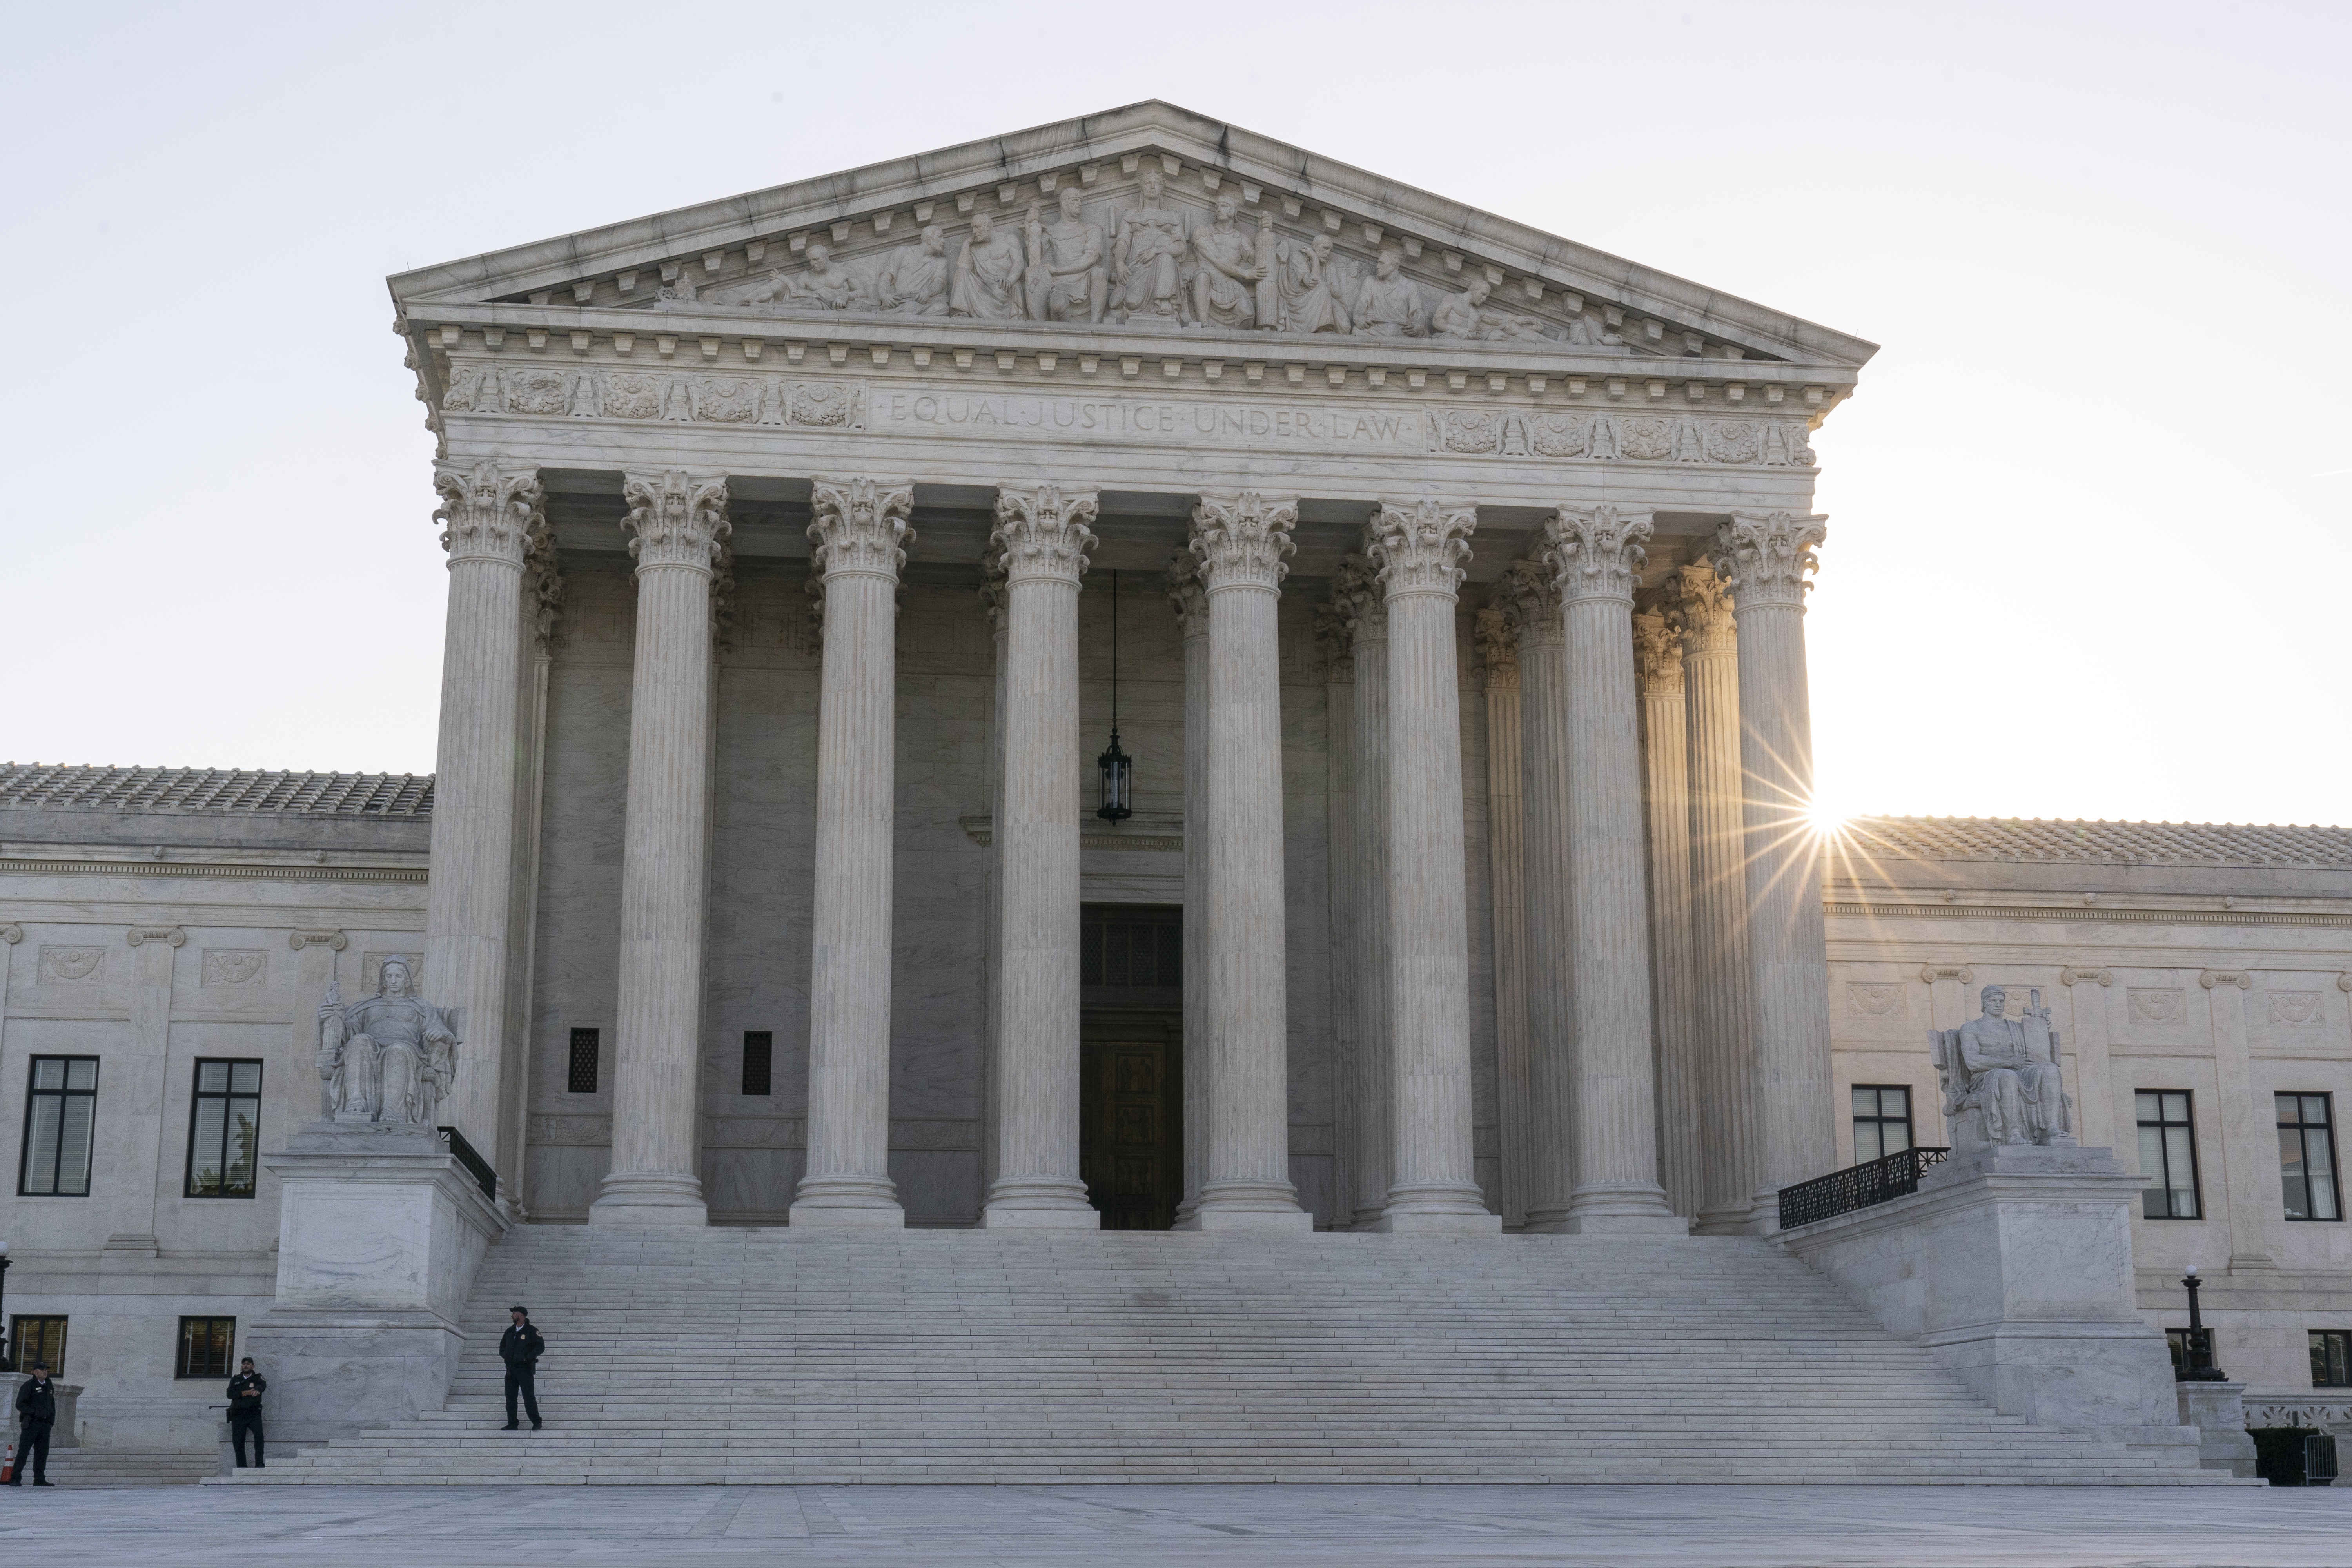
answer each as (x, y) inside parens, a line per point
(582, 1078)
(60, 1113)
(205, 1346)
(1882, 1122)
(2307, 1157)
(2168, 1156)
(36, 1342)
(1132, 946)
(2331, 1358)
(224, 1130)
(759, 1060)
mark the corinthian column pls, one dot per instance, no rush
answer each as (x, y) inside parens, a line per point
(1764, 559)
(1658, 664)
(860, 529)
(1336, 661)
(1044, 539)
(1534, 587)
(489, 516)
(1190, 602)
(1697, 606)
(1240, 540)
(1432, 1183)
(1498, 646)
(1356, 595)
(1599, 556)
(681, 526)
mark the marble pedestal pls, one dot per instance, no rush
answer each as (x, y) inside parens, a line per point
(380, 1231)
(2013, 1263)
(2217, 1411)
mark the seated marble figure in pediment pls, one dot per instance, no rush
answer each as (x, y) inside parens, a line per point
(1144, 258)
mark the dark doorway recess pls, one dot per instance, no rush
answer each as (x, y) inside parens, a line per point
(1131, 1063)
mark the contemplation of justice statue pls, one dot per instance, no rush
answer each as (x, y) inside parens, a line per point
(388, 1058)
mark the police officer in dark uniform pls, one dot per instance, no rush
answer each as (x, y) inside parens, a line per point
(521, 1347)
(245, 1391)
(36, 1412)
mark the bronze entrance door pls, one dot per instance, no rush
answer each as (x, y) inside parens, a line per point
(1130, 1061)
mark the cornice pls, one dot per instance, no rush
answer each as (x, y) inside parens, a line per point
(241, 872)
(2100, 914)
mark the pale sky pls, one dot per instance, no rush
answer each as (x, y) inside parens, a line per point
(2087, 511)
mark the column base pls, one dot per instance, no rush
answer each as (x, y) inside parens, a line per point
(649, 1197)
(1039, 1202)
(848, 1203)
(1457, 1209)
(1622, 1208)
(1726, 1222)
(1248, 1205)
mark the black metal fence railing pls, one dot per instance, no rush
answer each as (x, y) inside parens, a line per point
(1856, 1187)
(476, 1167)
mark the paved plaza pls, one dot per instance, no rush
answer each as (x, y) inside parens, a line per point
(1459, 1526)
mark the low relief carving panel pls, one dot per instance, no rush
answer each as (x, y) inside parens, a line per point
(682, 397)
(2296, 1009)
(1877, 998)
(72, 966)
(235, 966)
(2156, 1004)
(1610, 437)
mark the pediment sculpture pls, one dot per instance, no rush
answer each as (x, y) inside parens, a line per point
(2001, 1076)
(388, 1058)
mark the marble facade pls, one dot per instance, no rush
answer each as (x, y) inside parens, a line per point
(1462, 657)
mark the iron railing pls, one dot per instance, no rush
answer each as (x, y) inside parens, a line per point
(1856, 1187)
(476, 1167)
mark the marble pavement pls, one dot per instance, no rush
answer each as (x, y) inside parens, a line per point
(1460, 1526)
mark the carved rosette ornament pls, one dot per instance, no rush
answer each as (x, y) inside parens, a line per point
(860, 528)
(1657, 657)
(1765, 558)
(676, 520)
(1421, 548)
(1042, 533)
(1356, 594)
(1241, 539)
(1187, 597)
(1598, 555)
(486, 513)
(1697, 605)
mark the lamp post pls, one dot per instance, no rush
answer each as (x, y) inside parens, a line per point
(2198, 1362)
(1115, 770)
(7, 1357)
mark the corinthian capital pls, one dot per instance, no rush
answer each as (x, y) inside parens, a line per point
(1042, 532)
(861, 527)
(1697, 606)
(487, 513)
(1529, 589)
(676, 520)
(1241, 538)
(1498, 647)
(1335, 648)
(1657, 657)
(991, 585)
(1186, 596)
(1598, 555)
(1421, 548)
(1766, 557)
(1356, 592)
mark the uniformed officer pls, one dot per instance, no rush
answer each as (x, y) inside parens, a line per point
(36, 1412)
(245, 1391)
(521, 1347)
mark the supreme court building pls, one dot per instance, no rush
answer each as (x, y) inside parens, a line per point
(1123, 676)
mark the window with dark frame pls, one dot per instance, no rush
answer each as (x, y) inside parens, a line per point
(2307, 1135)
(2331, 1358)
(60, 1114)
(224, 1130)
(759, 1060)
(38, 1341)
(2168, 1155)
(581, 1075)
(207, 1346)
(1882, 1120)
(1129, 947)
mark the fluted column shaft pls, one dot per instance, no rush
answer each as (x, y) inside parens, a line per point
(488, 515)
(1598, 553)
(992, 595)
(1544, 764)
(1190, 601)
(1359, 596)
(680, 525)
(1506, 880)
(1044, 535)
(1240, 540)
(1700, 609)
(1343, 898)
(1765, 560)
(860, 532)
(1433, 1181)
(1666, 793)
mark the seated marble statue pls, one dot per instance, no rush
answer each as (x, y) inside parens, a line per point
(1387, 305)
(914, 279)
(1464, 315)
(388, 1058)
(2001, 1076)
(988, 272)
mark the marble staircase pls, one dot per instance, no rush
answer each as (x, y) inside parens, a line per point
(750, 1356)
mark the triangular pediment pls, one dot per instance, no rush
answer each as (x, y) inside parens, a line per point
(1112, 221)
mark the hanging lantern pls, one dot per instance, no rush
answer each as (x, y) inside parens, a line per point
(1115, 770)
